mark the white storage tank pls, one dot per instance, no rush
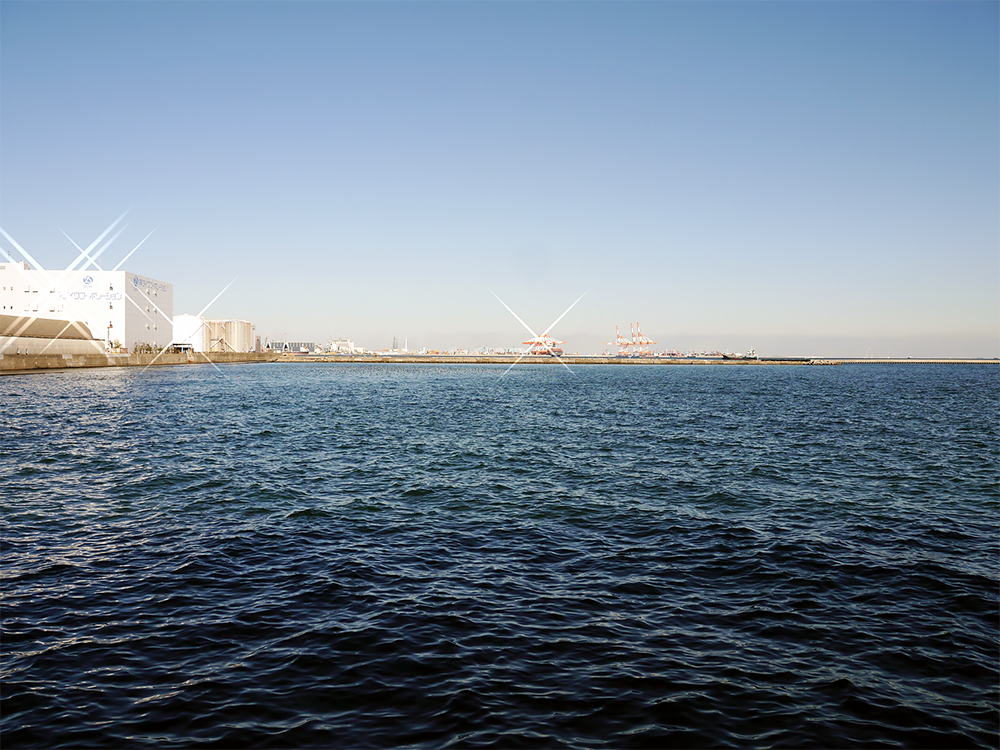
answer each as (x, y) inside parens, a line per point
(189, 332)
(230, 336)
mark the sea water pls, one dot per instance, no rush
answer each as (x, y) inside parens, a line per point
(613, 556)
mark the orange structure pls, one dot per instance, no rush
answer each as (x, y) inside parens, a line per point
(621, 342)
(642, 343)
(544, 344)
(637, 346)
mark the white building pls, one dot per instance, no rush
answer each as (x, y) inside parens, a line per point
(342, 346)
(115, 305)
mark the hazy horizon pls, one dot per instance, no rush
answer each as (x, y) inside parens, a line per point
(816, 179)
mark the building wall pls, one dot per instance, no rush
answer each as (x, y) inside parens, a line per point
(27, 345)
(149, 309)
(35, 335)
(114, 304)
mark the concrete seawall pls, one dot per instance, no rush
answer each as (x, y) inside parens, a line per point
(471, 359)
(509, 359)
(504, 359)
(11, 364)
(15, 363)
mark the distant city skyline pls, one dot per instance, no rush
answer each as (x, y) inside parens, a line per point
(819, 179)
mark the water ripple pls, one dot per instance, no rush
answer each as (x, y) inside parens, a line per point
(421, 555)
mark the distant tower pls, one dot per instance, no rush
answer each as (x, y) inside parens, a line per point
(395, 343)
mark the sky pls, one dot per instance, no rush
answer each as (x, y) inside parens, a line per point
(818, 179)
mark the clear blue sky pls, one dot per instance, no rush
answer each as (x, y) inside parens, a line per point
(805, 178)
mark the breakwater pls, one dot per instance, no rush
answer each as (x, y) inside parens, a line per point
(509, 359)
(18, 363)
(14, 363)
(577, 359)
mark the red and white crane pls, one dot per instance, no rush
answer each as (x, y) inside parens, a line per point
(642, 343)
(544, 344)
(540, 343)
(621, 342)
(637, 346)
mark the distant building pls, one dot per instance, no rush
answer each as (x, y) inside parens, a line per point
(293, 347)
(342, 346)
(114, 305)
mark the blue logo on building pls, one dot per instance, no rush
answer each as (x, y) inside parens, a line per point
(88, 280)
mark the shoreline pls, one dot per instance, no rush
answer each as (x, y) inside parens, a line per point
(12, 364)
(25, 363)
(594, 359)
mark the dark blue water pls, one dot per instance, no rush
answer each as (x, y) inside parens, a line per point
(371, 556)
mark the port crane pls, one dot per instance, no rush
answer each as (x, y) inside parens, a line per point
(641, 342)
(544, 344)
(540, 343)
(621, 342)
(637, 346)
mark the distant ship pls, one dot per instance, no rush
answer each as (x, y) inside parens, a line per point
(751, 354)
(544, 345)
